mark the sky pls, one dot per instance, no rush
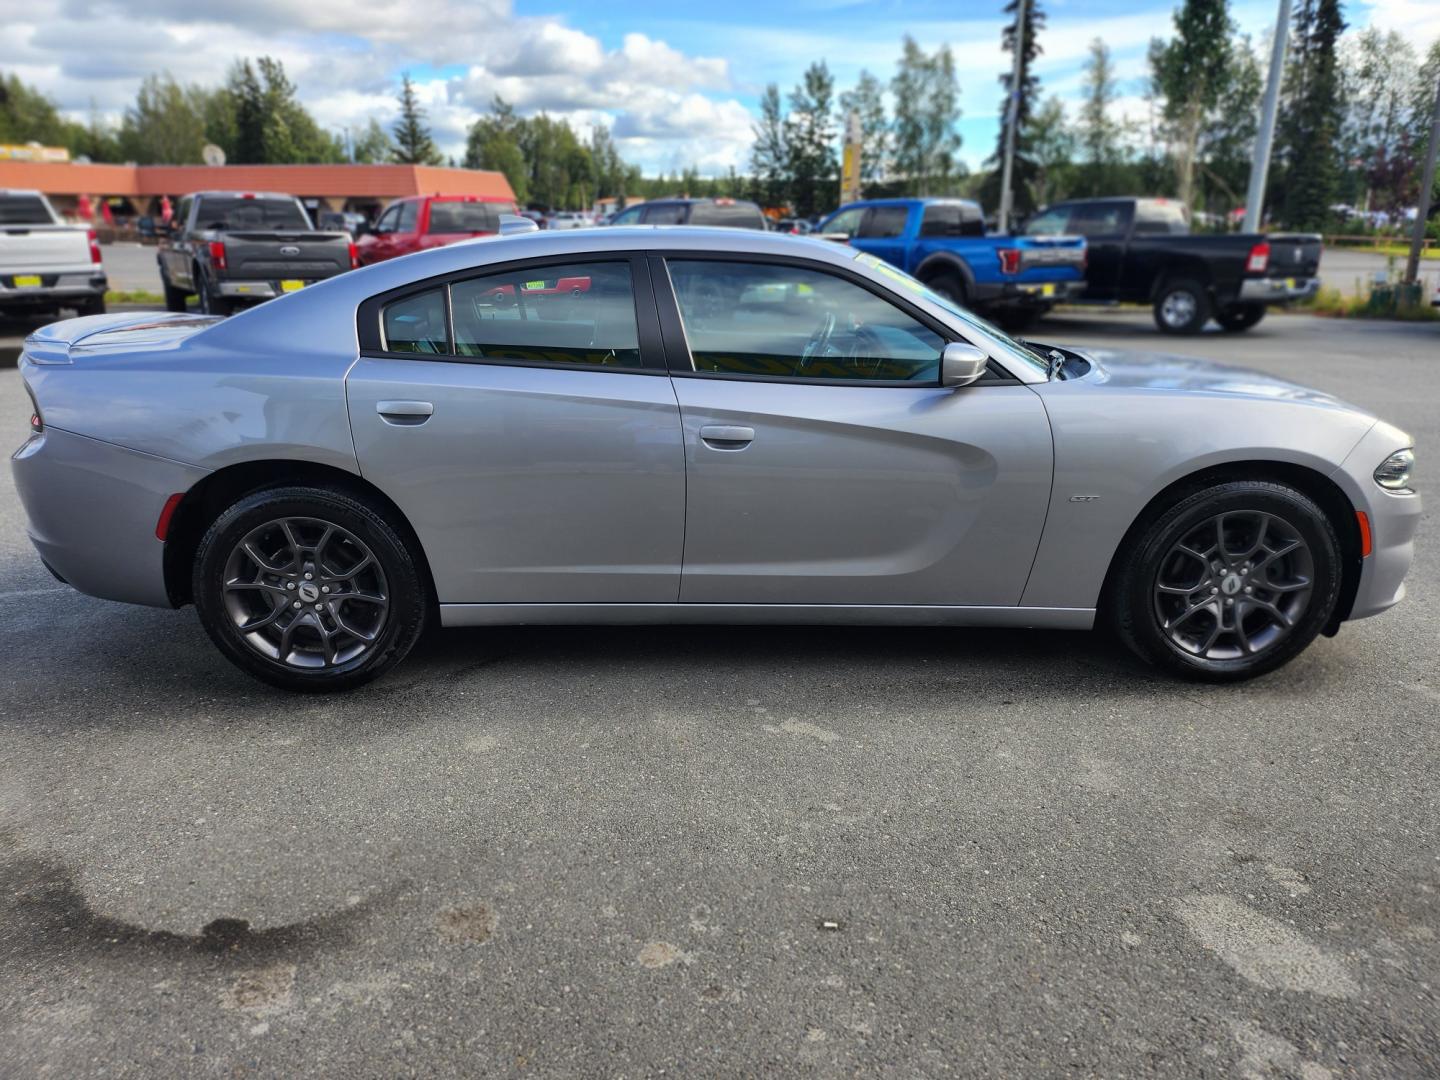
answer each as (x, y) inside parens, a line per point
(677, 83)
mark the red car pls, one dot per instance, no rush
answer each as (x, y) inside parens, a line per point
(428, 221)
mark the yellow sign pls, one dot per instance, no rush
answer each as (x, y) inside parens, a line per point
(27, 281)
(850, 162)
(47, 154)
(291, 285)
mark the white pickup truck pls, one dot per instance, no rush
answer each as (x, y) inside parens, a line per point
(45, 264)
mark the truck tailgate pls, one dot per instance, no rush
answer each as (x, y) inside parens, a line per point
(274, 256)
(1051, 251)
(1294, 254)
(26, 249)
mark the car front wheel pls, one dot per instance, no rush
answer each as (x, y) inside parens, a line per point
(1229, 582)
(309, 588)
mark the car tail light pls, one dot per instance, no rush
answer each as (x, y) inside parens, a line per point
(1009, 260)
(94, 246)
(217, 254)
(1259, 258)
(354, 256)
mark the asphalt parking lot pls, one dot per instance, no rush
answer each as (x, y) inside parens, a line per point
(622, 852)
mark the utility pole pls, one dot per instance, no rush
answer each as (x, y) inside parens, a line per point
(1427, 184)
(1012, 117)
(1265, 137)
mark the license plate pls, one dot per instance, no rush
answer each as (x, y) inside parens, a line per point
(1047, 290)
(531, 286)
(1290, 283)
(27, 281)
(291, 285)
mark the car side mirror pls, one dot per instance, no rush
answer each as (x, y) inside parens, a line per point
(961, 364)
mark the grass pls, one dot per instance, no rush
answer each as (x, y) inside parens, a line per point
(1332, 303)
(1394, 251)
(133, 296)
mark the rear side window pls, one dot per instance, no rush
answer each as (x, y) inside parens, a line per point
(463, 217)
(884, 222)
(240, 214)
(951, 219)
(24, 210)
(664, 214)
(734, 215)
(417, 324)
(580, 313)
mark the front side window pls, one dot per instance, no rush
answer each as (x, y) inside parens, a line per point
(387, 220)
(763, 319)
(409, 211)
(885, 222)
(579, 313)
(629, 216)
(416, 324)
(1101, 219)
(846, 221)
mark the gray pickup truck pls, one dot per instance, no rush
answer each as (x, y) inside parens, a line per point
(229, 248)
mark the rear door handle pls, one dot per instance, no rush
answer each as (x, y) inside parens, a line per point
(726, 437)
(404, 413)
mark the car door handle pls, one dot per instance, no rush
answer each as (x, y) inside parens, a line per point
(404, 413)
(726, 437)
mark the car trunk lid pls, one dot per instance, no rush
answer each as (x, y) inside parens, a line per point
(26, 249)
(61, 342)
(1294, 255)
(276, 256)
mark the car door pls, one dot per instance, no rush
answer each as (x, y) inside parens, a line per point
(1105, 224)
(176, 247)
(379, 243)
(522, 420)
(883, 233)
(826, 464)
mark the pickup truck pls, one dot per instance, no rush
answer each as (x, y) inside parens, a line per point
(1141, 250)
(428, 221)
(230, 248)
(942, 243)
(45, 264)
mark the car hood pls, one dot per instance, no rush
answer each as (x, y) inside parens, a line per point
(1184, 374)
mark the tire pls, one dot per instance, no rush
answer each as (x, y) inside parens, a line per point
(1171, 606)
(174, 298)
(951, 287)
(1020, 319)
(210, 304)
(1182, 306)
(1240, 317)
(359, 614)
(93, 306)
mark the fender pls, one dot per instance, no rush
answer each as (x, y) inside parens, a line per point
(943, 261)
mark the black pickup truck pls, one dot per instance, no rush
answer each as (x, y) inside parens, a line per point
(231, 247)
(1141, 250)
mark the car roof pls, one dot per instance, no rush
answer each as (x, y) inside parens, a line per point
(687, 200)
(241, 195)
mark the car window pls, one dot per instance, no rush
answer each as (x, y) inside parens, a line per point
(388, 219)
(409, 211)
(951, 219)
(24, 210)
(1054, 222)
(416, 324)
(1100, 219)
(578, 313)
(846, 221)
(630, 216)
(732, 214)
(789, 321)
(1161, 217)
(237, 214)
(884, 222)
(463, 217)
(664, 214)
(181, 218)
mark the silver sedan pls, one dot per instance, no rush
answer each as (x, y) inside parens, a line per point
(686, 425)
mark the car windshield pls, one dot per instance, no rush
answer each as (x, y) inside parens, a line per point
(463, 217)
(982, 332)
(239, 214)
(23, 210)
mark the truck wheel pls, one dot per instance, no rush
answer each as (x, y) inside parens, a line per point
(1182, 306)
(210, 304)
(93, 306)
(1240, 317)
(1020, 319)
(951, 287)
(174, 298)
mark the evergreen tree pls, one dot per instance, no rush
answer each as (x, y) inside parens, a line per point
(249, 110)
(165, 126)
(1312, 116)
(927, 107)
(810, 142)
(413, 144)
(1024, 169)
(770, 155)
(372, 146)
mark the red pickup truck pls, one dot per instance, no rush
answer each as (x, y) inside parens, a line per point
(428, 221)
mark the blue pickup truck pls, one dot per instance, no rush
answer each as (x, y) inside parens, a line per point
(942, 242)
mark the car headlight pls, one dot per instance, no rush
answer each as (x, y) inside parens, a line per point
(1394, 472)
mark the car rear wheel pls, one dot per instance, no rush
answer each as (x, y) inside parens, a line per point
(309, 588)
(951, 287)
(93, 306)
(1229, 582)
(1182, 307)
(211, 304)
(1240, 317)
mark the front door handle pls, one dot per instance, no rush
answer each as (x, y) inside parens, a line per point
(726, 437)
(404, 413)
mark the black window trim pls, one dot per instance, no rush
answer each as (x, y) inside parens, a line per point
(677, 346)
(370, 313)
